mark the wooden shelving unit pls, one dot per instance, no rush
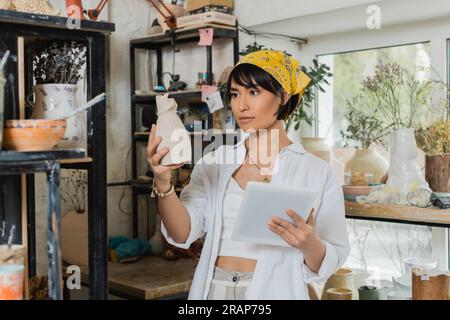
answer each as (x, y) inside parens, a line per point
(30, 29)
(156, 43)
(398, 213)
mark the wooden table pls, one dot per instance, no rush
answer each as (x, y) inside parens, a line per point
(149, 278)
(431, 216)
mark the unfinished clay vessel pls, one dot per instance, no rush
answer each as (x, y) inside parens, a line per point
(173, 132)
(33, 135)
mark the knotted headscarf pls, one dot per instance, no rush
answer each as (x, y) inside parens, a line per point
(284, 68)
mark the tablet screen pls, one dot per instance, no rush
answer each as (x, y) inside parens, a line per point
(262, 201)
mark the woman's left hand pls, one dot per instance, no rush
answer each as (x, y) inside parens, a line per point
(299, 234)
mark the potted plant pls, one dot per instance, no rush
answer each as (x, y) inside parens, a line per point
(57, 68)
(435, 142)
(401, 101)
(74, 224)
(363, 132)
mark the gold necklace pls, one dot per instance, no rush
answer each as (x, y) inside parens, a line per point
(266, 179)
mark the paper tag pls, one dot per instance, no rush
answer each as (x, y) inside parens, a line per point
(207, 90)
(206, 37)
(424, 277)
(214, 101)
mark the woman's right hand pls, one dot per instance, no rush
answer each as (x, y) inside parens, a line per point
(161, 173)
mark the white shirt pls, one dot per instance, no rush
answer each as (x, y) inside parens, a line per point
(231, 205)
(280, 272)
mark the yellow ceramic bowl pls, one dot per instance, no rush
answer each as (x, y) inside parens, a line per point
(32, 135)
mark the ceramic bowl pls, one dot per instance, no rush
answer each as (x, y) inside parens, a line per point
(418, 262)
(351, 192)
(32, 135)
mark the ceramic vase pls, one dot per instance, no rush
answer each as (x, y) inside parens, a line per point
(75, 238)
(430, 285)
(368, 161)
(405, 175)
(55, 101)
(437, 172)
(74, 9)
(318, 147)
(343, 278)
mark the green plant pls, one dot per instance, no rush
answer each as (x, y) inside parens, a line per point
(73, 189)
(60, 62)
(318, 74)
(363, 129)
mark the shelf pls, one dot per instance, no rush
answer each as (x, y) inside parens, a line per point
(75, 161)
(185, 94)
(183, 36)
(398, 213)
(51, 155)
(149, 278)
(57, 22)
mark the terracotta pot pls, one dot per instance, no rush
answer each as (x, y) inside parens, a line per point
(318, 147)
(74, 9)
(32, 135)
(429, 285)
(343, 278)
(368, 161)
(437, 172)
(75, 238)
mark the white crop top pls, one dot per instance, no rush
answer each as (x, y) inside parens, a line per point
(231, 204)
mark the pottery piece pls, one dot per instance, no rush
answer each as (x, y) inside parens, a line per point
(32, 135)
(318, 147)
(11, 282)
(74, 9)
(430, 284)
(369, 293)
(56, 101)
(368, 161)
(405, 174)
(343, 278)
(173, 132)
(437, 172)
(339, 294)
(399, 295)
(351, 192)
(418, 262)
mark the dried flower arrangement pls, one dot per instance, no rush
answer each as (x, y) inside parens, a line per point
(60, 62)
(74, 190)
(399, 99)
(363, 129)
(435, 139)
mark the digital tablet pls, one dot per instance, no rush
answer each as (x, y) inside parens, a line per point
(262, 201)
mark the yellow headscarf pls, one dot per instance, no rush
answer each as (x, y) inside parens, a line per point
(284, 68)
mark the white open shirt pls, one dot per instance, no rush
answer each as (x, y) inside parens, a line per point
(280, 271)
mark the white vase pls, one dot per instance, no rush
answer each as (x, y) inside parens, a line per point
(75, 238)
(405, 174)
(55, 101)
(368, 161)
(318, 147)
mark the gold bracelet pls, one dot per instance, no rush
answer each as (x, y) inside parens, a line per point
(161, 194)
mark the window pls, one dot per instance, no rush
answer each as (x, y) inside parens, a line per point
(378, 247)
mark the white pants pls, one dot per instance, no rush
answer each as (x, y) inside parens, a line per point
(229, 285)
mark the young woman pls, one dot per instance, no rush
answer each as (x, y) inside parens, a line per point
(265, 88)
